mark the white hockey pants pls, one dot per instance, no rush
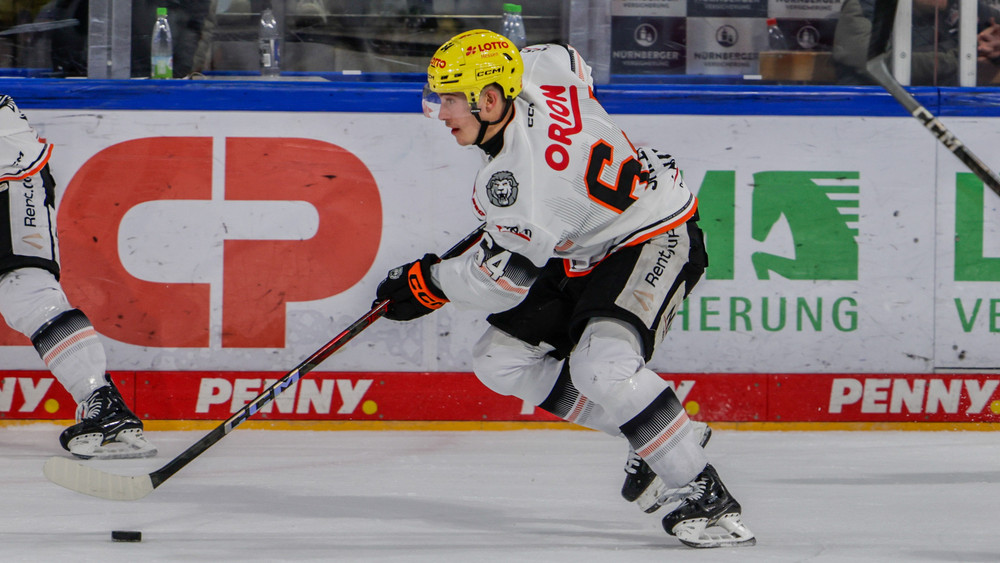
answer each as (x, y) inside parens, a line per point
(29, 299)
(607, 368)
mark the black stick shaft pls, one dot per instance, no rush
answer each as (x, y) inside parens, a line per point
(173, 466)
(880, 72)
(883, 19)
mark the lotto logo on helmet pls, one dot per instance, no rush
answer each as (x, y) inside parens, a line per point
(438, 63)
(486, 47)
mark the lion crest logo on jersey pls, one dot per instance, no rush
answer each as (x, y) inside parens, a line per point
(502, 189)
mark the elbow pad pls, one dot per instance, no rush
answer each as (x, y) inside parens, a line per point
(490, 277)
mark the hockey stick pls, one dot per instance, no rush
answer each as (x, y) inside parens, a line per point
(88, 480)
(882, 23)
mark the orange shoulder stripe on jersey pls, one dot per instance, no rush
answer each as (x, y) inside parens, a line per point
(639, 240)
(579, 66)
(33, 169)
(668, 227)
(629, 141)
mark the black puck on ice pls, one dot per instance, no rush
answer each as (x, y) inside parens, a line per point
(124, 535)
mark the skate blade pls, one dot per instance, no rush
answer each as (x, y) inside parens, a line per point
(727, 531)
(128, 444)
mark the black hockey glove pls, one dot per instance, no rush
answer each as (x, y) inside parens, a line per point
(411, 291)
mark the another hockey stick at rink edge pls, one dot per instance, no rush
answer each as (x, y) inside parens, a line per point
(882, 24)
(88, 480)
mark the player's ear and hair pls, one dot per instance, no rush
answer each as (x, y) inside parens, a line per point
(495, 89)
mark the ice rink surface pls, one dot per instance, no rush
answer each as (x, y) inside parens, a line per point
(514, 496)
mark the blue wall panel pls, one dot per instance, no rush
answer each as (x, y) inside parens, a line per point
(395, 96)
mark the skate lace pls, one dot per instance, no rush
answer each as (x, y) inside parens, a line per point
(89, 408)
(633, 462)
(697, 490)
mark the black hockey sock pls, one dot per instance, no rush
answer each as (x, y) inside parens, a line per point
(62, 336)
(565, 400)
(654, 431)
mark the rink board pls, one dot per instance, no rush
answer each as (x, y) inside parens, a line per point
(445, 396)
(218, 235)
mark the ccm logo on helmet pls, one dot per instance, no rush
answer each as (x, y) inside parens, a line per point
(489, 72)
(483, 47)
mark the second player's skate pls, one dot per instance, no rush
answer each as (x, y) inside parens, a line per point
(106, 428)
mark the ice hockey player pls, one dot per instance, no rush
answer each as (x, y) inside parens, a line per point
(33, 303)
(589, 247)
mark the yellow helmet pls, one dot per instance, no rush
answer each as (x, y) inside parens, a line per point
(470, 61)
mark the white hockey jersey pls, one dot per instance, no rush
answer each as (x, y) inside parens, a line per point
(567, 184)
(22, 153)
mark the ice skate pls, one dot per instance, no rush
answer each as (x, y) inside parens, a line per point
(709, 516)
(643, 487)
(106, 428)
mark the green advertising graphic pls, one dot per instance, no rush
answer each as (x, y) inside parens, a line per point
(717, 218)
(820, 211)
(826, 247)
(970, 263)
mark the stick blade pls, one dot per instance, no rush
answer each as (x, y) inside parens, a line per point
(90, 481)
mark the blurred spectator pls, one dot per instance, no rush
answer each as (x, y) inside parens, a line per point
(69, 44)
(989, 42)
(934, 57)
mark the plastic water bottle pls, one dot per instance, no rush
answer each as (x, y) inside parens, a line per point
(269, 41)
(513, 25)
(775, 38)
(162, 48)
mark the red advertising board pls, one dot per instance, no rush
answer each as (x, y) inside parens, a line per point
(446, 396)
